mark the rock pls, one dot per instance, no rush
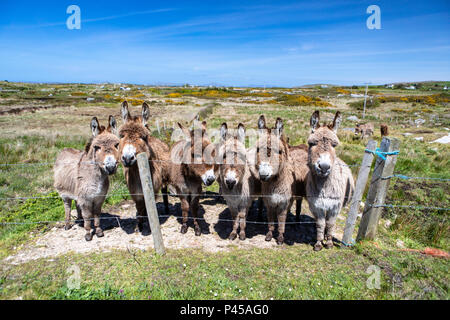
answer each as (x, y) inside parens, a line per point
(387, 224)
(90, 99)
(443, 140)
(406, 134)
(352, 118)
(418, 138)
(400, 244)
(419, 121)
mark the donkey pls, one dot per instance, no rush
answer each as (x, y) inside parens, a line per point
(135, 138)
(83, 175)
(237, 184)
(384, 130)
(330, 182)
(279, 176)
(192, 165)
(365, 130)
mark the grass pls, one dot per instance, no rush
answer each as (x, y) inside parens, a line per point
(287, 273)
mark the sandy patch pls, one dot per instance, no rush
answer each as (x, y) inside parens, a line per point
(119, 233)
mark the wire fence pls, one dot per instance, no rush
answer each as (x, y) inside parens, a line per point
(4, 166)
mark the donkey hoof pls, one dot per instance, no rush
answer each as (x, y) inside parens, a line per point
(99, 233)
(242, 236)
(318, 246)
(232, 236)
(198, 232)
(67, 226)
(88, 237)
(184, 228)
(328, 244)
(268, 236)
(280, 240)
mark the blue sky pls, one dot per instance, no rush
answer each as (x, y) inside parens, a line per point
(233, 43)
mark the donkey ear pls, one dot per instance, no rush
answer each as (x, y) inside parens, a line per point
(241, 132)
(203, 126)
(125, 113)
(112, 126)
(95, 126)
(337, 121)
(185, 131)
(314, 121)
(145, 113)
(223, 131)
(262, 122)
(279, 126)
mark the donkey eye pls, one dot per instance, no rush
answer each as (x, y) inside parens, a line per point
(311, 144)
(117, 146)
(96, 148)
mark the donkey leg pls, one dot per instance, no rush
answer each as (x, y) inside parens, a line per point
(141, 213)
(271, 220)
(67, 209)
(97, 213)
(194, 209)
(235, 218)
(320, 228)
(165, 199)
(79, 215)
(281, 226)
(329, 231)
(298, 208)
(184, 212)
(87, 216)
(260, 209)
(242, 224)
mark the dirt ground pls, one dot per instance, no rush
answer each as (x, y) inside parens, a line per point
(119, 232)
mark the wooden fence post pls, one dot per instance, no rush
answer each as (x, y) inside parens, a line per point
(377, 190)
(360, 186)
(150, 204)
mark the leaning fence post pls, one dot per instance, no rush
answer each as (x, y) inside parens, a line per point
(360, 186)
(150, 204)
(378, 189)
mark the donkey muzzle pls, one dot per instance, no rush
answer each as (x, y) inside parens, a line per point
(128, 160)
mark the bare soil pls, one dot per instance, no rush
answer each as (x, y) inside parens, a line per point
(119, 226)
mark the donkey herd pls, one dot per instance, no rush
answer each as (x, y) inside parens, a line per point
(271, 170)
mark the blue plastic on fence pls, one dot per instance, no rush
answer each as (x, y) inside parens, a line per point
(382, 154)
(351, 244)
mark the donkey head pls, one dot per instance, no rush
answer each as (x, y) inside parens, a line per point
(134, 135)
(197, 154)
(103, 148)
(272, 152)
(232, 151)
(322, 141)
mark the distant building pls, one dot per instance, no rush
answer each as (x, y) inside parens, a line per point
(390, 86)
(324, 86)
(410, 88)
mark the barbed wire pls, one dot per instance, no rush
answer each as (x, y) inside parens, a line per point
(402, 176)
(118, 218)
(409, 207)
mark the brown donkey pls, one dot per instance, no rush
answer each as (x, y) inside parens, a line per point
(192, 164)
(237, 184)
(135, 138)
(278, 173)
(83, 175)
(330, 182)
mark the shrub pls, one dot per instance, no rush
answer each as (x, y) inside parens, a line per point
(370, 103)
(300, 100)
